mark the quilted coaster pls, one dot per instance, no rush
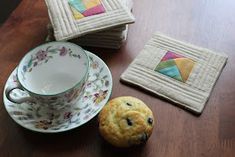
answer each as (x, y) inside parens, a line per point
(180, 72)
(67, 25)
(112, 39)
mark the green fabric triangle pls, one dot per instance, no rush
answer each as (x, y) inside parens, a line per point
(172, 72)
(179, 78)
(165, 64)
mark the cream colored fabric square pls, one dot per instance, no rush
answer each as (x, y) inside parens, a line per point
(192, 94)
(67, 27)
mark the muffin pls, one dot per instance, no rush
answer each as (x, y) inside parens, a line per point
(126, 121)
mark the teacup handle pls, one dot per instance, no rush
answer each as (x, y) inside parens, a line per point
(12, 87)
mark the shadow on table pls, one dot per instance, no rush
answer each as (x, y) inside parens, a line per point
(6, 8)
(83, 141)
(107, 150)
(70, 141)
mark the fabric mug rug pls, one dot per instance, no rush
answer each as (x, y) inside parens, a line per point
(180, 72)
(112, 38)
(74, 18)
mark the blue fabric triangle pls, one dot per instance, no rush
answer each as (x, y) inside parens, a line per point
(172, 72)
(78, 5)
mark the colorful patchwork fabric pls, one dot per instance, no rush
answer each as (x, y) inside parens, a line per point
(84, 8)
(175, 66)
(76, 14)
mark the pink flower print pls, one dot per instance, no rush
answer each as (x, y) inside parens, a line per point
(70, 96)
(63, 51)
(43, 124)
(88, 84)
(85, 98)
(100, 96)
(68, 115)
(15, 78)
(41, 55)
(95, 65)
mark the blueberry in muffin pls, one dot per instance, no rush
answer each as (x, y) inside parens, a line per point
(126, 121)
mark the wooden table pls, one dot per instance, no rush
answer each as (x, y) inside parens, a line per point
(208, 23)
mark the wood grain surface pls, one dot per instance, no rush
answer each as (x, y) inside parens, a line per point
(205, 23)
(6, 8)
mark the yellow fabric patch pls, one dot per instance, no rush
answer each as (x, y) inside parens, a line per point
(77, 15)
(185, 67)
(91, 3)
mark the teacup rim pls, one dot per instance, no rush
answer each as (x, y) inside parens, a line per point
(64, 91)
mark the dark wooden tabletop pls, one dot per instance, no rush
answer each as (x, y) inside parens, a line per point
(205, 23)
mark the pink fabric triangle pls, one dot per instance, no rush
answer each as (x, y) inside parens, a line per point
(95, 10)
(171, 55)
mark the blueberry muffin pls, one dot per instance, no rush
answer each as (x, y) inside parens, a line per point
(126, 121)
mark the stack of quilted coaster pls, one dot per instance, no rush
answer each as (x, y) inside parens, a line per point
(96, 23)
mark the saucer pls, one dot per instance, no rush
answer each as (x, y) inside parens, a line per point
(36, 118)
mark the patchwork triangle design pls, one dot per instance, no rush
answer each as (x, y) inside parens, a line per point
(175, 66)
(172, 71)
(76, 14)
(84, 8)
(171, 55)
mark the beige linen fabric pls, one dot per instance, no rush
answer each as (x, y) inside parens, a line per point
(66, 27)
(194, 93)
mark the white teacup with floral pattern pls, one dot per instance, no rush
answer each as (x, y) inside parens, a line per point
(53, 74)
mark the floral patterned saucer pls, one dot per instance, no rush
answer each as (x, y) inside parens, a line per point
(36, 118)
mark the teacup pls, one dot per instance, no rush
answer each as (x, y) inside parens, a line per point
(53, 74)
